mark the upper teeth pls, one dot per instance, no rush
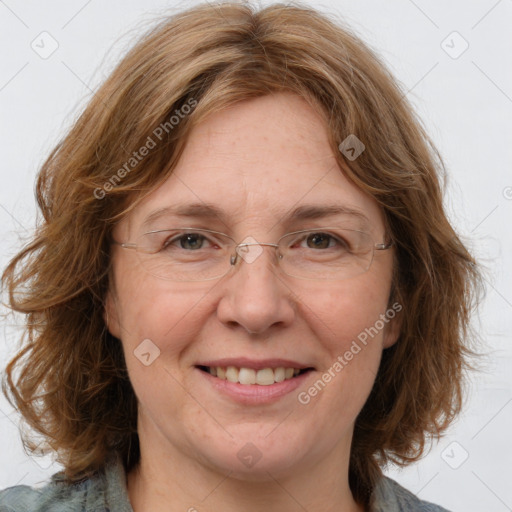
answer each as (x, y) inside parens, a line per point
(263, 377)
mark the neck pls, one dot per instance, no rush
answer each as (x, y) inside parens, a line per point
(172, 480)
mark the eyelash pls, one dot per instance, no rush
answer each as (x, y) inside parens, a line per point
(303, 237)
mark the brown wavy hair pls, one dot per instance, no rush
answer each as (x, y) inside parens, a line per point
(69, 381)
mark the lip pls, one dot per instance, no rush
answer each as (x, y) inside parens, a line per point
(245, 362)
(255, 394)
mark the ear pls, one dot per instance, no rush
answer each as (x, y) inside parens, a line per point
(110, 315)
(394, 325)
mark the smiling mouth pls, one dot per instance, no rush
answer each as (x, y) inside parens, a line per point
(249, 376)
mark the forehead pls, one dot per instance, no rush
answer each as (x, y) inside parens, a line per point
(256, 162)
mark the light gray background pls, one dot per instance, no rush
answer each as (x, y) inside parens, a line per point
(465, 102)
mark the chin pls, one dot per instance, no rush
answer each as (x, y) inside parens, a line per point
(255, 457)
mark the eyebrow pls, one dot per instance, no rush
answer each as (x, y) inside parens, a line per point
(208, 210)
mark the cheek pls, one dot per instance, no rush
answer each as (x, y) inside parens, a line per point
(158, 323)
(342, 315)
(350, 330)
(161, 314)
(152, 309)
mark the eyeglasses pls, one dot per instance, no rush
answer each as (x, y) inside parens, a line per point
(190, 254)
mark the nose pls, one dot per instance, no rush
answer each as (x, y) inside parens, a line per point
(255, 295)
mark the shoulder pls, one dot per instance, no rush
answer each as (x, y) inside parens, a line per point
(105, 491)
(52, 496)
(390, 496)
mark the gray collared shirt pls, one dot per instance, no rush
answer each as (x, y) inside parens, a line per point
(106, 492)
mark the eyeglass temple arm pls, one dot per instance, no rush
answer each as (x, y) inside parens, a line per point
(125, 245)
(383, 247)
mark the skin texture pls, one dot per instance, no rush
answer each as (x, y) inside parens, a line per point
(256, 160)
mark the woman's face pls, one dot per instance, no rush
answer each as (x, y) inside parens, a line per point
(256, 163)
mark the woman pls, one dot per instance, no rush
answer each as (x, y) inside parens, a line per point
(245, 293)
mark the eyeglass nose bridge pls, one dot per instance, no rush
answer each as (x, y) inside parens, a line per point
(234, 257)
